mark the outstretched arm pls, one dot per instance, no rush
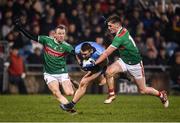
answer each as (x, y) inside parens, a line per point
(78, 59)
(105, 54)
(19, 26)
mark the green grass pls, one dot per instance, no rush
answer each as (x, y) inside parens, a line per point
(91, 108)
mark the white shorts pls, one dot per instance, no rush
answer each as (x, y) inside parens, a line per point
(137, 70)
(56, 77)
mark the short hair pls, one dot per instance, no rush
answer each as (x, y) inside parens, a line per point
(61, 26)
(86, 46)
(113, 19)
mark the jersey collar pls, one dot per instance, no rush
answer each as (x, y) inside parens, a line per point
(119, 30)
(57, 41)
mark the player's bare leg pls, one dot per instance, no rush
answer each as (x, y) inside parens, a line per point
(110, 72)
(143, 89)
(54, 87)
(102, 80)
(68, 87)
(85, 81)
(149, 90)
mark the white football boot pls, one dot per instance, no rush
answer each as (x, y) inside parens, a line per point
(109, 99)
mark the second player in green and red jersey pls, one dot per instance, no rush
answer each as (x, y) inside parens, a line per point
(54, 54)
(55, 69)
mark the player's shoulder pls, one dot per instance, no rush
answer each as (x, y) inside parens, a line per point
(45, 37)
(97, 46)
(65, 44)
(122, 32)
(78, 48)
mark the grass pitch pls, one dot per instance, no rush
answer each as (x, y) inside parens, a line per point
(45, 108)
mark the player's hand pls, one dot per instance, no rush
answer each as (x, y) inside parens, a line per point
(89, 67)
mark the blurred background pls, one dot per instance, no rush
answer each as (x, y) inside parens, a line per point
(153, 24)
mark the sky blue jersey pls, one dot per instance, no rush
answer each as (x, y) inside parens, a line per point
(99, 49)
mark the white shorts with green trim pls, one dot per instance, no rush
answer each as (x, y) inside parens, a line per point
(137, 70)
(56, 77)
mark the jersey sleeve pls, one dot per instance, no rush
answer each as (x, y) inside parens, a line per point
(116, 42)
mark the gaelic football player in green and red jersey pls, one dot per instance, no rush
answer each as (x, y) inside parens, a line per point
(55, 68)
(130, 60)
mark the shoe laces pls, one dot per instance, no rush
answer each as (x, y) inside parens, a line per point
(164, 98)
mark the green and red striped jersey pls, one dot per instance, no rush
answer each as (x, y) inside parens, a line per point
(54, 55)
(129, 53)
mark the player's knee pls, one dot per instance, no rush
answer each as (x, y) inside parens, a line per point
(109, 73)
(70, 93)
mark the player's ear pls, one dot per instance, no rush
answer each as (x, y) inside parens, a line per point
(117, 24)
(91, 51)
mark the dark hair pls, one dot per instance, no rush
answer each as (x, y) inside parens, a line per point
(86, 46)
(61, 26)
(113, 19)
